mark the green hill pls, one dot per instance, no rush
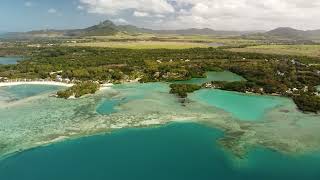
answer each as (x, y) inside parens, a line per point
(287, 33)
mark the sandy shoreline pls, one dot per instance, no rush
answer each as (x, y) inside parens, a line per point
(105, 86)
(51, 83)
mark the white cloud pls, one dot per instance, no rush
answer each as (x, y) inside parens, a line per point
(112, 7)
(159, 16)
(52, 11)
(140, 14)
(80, 7)
(217, 14)
(120, 21)
(252, 14)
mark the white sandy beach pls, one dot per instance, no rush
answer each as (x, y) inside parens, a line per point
(105, 86)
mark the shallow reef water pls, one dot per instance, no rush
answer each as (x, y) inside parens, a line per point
(242, 106)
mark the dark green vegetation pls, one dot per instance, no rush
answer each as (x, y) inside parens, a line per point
(242, 86)
(267, 74)
(308, 103)
(79, 90)
(182, 90)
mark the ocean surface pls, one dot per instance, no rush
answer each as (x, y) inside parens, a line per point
(9, 60)
(174, 152)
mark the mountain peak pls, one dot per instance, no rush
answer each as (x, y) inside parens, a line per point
(285, 28)
(286, 32)
(106, 23)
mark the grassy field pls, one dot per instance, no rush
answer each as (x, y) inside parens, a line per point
(147, 41)
(141, 45)
(228, 41)
(205, 39)
(299, 50)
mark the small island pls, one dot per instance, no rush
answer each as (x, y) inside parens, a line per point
(79, 90)
(182, 90)
(308, 103)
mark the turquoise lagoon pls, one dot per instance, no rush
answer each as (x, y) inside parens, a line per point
(242, 106)
(9, 60)
(174, 152)
(215, 76)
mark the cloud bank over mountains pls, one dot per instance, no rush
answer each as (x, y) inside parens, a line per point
(217, 14)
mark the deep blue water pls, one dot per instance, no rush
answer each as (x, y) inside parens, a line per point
(173, 152)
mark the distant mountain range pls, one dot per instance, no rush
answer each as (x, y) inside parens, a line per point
(287, 33)
(108, 28)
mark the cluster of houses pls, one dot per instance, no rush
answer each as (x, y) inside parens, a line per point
(293, 90)
(72, 42)
(185, 60)
(40, 45)
(3, 79)
(280, 73)
(6, 80)
(290, 91)
(59, 78)
(294, 62)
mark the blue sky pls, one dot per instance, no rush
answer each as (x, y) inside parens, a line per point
(21, 15)
(25, 15)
